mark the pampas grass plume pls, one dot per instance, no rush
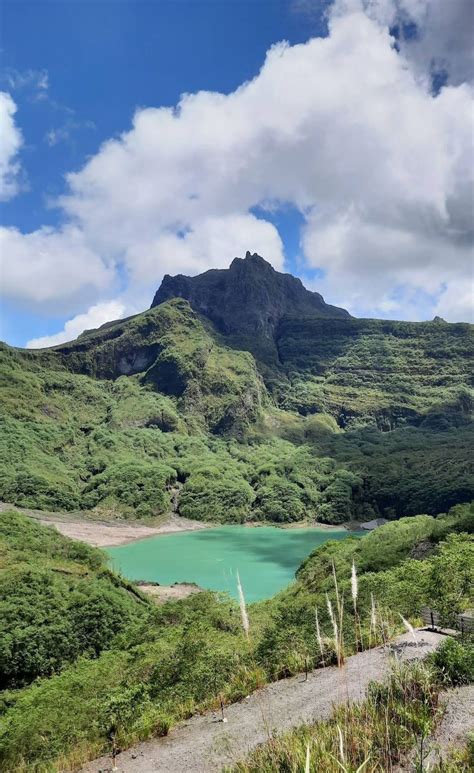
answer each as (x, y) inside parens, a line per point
(354, 584)
(409, 628)
(318, 634)
(243, 608)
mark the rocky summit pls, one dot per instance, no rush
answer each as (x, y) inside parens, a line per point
(247, 298)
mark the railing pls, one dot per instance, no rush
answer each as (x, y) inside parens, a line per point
(463, 622)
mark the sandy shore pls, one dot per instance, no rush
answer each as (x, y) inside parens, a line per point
(104, 534)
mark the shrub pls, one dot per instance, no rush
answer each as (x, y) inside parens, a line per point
(454, 661)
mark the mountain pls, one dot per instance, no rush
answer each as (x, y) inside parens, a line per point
(241, 395)
(248, 298)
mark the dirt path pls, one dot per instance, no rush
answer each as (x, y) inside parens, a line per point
(204, 745)
(451, 732)
(455, 726)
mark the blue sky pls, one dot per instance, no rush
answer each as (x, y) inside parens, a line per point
(78, 71)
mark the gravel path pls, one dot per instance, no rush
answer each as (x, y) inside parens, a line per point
(455, 726)
(204, 745)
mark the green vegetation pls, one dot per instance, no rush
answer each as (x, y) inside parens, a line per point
(313, 418)
(415, 562)
(126, 666)
(58, 600)
(356, 419)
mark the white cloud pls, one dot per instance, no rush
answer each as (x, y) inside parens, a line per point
(434, 35)
(344, 128)
(94, 317)
(456, 301)
(49, 266)
(10, 143)
(204, 246)
(64, 132)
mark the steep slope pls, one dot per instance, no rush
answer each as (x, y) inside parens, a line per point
(316, 358)
(58, 601)
(367, 370)
(248, 298)
(286, 417)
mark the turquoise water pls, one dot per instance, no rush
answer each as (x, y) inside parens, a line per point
(266, 557)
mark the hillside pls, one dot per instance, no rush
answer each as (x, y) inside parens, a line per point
(241, 396)
(114, 666)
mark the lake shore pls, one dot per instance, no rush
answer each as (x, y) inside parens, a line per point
(107, 534)
(102, 534)
(112, 533)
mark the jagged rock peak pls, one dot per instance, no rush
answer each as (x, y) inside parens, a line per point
(247, 298)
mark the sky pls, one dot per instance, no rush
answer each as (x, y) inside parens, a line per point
(144, 137)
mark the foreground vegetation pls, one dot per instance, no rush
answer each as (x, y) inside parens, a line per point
(396, 718)
(128, 669)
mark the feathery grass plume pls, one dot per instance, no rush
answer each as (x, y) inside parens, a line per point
(354, 594)
(336, 588)
(308, 759)
(330, 611)
(341, 630)
(243, 608)
(334, 628)
(340, 617)
(409, 628)
(354, 585)
(341, 745)
(318, 635)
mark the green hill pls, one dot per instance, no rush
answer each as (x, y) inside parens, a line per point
(288, 409)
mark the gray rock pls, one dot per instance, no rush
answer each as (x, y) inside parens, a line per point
(248, 298)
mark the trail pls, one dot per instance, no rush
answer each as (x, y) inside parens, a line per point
(203, 744)
(451, 732)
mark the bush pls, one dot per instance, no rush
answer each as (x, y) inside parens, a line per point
(454, 661)
(138, 486)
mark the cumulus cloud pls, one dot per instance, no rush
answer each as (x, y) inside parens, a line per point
(434, 35)
(203, 246)
(49, 265)
(344, 128)
(94, 317)
(10, 143)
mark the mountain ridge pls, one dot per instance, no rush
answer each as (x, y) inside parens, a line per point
(313, 416)
(249, 297)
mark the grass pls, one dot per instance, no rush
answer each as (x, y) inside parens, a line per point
(396, 718)
(369, 736)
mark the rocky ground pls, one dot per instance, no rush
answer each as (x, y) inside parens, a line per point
(162, 593)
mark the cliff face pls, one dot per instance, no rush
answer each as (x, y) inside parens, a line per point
(249, 298)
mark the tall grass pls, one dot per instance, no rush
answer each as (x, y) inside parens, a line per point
(372, 735)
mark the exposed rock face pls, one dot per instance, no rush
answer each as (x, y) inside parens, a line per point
(249, 297)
